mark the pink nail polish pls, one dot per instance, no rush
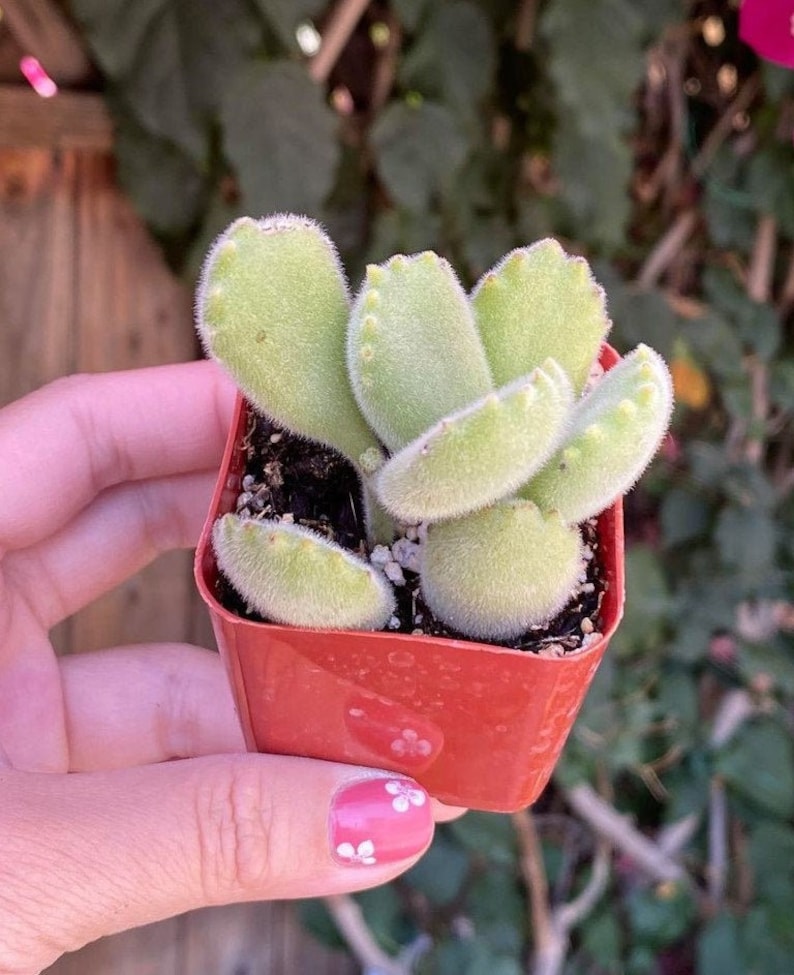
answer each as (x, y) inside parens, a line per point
(381, 820)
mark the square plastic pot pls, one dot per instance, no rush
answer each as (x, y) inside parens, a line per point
(477, 725)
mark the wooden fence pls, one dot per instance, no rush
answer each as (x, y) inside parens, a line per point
(83, 288)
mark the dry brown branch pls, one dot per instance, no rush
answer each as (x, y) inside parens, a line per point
(786, 301)
(350, 922)
(341, 25)
(717, 868)
(567, 916)
(675, 837)
(534, 874)
(526, 20)
(618, 830)
(735, 708)
(762, 263)
(667, 249)
(724, 125)
(551, 929)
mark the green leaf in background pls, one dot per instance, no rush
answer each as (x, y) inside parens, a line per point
(771, 853)
(639, 316)
(171, 59)
(409, 12)
(441, 872)
(647, 603)
(718, 948)
(285, 160)
(598, 202)
(385, 916)
(746, 538)
(591, 153)
(774, 661)
(758, 765)
(684, 516)
(401, 231)
(166, 186)
(661, 915)
(726, 205)
(770, 177)
(496, 899)
(756, 325)
(454, 59)
(677, 703)
(767, 946)
(487, 834)
(602, 940)
(418, 149)
(468, 956)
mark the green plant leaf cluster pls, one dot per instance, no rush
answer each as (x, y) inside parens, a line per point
(501, 477)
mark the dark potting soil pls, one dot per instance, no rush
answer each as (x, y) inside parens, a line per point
(288, 478)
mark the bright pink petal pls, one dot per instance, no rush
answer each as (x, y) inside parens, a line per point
(767, 26)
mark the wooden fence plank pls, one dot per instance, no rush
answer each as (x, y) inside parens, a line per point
(68, 120)
(228, 941)
(152, 950)
(37, 224)
(133, 313)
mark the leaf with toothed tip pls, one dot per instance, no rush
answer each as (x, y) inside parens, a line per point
(414, 354)
(616, 429)
(272, 307)
(537, 303)
(495, 573)
(481, 453)
(292, 575)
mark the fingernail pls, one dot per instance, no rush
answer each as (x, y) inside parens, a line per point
(381, 820)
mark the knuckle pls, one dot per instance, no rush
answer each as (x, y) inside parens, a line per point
(234, 816)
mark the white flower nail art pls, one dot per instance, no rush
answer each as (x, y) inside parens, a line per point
(410, 744)
(363, 853)
(405, 795)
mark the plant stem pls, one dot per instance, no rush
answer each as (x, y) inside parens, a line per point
(724, 125)
(351, 924)
(667, 249)
(618, 830)
(534, 873)
(343, 22)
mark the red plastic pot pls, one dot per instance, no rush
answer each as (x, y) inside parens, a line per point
(478, 725)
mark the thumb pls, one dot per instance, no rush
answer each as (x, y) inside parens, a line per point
(92, 853)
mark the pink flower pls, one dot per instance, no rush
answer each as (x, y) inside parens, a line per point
(767, 26)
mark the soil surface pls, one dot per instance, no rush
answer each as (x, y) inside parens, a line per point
(290, 479)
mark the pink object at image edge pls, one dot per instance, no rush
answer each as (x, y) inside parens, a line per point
(477, 725)
(767, 26)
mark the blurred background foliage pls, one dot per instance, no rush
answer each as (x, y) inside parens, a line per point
(644, 135)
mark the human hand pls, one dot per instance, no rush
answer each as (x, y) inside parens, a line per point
(133, 836)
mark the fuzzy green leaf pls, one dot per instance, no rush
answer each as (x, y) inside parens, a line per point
(615, 432)
(292, 575)
(273, 308)
(495, 573)
(539, 302)
(413, 350)
(481, 453)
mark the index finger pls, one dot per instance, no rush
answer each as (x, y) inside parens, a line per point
(65, 443)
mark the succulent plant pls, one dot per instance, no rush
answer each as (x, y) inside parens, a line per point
(481, 417)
